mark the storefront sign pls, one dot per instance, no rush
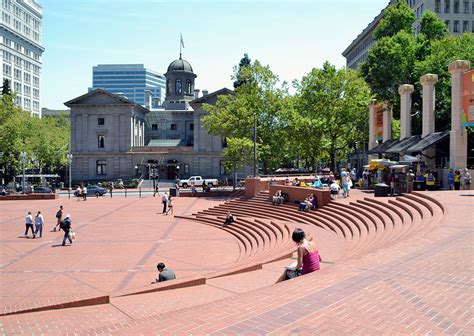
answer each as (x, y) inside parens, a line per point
(378, 122)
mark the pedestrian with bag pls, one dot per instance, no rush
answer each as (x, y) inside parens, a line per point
(39, 223)
(66, 227)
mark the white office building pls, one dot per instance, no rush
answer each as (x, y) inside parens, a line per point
(21, 51)
(458, 15)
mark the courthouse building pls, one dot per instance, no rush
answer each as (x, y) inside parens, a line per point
(114, 137)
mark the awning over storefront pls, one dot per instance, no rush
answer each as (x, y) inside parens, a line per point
(428, 141)
(380, 149)
(401, 146)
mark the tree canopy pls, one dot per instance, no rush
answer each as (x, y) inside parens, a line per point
(45, 140)
(401, 57)
(327, 115)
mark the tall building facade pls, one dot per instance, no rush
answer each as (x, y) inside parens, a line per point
(458, 15)
(21, 51)
(142, 86)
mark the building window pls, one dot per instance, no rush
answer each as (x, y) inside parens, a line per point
(168, 86)
(456, 26)
(190, 140)
(438, 6)
(186, 169)
(456, 6)
(154, 127)
(466, 7)
(100, 121)
(191, 127)
(189, 86)
(178, 86)
(101, 141)
(174, 127)
(447, 5)
(472, 27)
(447, 23)
(101, 166)
(465, 26)
(17, 87)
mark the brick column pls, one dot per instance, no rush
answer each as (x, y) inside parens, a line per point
(387, 122)
(428, 82)
(458, 135)
(405, 92)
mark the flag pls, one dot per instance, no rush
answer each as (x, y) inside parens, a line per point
(182, 42)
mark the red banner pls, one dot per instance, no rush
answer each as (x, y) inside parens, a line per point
(378, 121)
(468, 99)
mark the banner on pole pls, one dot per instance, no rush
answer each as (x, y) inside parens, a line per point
(468, 99)
(378, 122)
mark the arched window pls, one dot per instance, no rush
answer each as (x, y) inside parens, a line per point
(178, 86)
(189, 86)
(168, 86)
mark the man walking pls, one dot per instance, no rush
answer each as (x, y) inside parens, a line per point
(29, 224)
(164, 200)
(39, 222)
(66, 226)
(59, 216)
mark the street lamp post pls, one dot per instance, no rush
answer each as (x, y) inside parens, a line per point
(23, 162)
(69, 159)
(255, 145)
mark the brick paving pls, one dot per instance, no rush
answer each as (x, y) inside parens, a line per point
(419, 282)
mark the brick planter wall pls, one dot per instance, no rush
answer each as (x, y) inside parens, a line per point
(300, 193)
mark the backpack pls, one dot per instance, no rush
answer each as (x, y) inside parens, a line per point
(59, 214)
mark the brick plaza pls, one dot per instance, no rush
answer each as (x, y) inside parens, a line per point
(392, 266)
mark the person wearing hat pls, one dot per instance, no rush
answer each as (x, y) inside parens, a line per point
(66, 227)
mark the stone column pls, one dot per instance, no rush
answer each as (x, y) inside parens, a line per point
(458, 135)
(405, 92)
(428, 82)
(372, 142)
(387, 122)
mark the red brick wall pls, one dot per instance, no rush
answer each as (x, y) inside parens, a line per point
(300, 193)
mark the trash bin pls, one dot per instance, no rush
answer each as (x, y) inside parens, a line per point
(381, 190)
(173, 192)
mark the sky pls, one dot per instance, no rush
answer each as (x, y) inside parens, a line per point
(292, 37)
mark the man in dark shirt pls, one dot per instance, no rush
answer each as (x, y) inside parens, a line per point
(164, 274)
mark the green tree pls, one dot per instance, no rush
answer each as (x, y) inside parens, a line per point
(6, 90)
(397, 17)
(260, 97)
(332, 105)
(244, 62)
(443, 52)
(46, 139)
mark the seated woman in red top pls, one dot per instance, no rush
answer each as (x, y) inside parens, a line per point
(308, 257)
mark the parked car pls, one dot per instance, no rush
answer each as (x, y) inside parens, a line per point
(197, 181)
(93, 190)
(42, 190)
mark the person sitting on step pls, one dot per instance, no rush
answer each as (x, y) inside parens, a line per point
(308, 260)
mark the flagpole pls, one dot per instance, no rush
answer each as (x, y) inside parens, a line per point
(180, 44)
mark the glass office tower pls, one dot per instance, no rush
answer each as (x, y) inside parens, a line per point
(143, 86)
